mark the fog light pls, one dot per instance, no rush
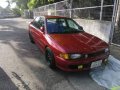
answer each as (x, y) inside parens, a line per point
(80, 66)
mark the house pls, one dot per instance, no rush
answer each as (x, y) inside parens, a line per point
(6, 13)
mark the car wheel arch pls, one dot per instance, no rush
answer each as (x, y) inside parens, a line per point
(53, 64)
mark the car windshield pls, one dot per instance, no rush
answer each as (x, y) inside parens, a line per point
(62, 26)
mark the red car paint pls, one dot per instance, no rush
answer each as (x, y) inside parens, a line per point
(82, 43)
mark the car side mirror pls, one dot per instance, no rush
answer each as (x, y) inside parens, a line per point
(81, 28)
(31, 22)
(42, 29)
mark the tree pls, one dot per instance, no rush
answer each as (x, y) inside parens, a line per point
(9, 3)
(16, 11)
(21, 4)
(34, 3)
(37, 3)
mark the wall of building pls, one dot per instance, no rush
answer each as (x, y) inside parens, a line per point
(98, 28)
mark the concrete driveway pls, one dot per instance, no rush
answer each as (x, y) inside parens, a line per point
(23, 66)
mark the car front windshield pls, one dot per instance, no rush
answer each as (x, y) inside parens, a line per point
(62, 26)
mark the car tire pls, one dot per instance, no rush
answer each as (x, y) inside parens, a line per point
(50, 58)
(31, 38)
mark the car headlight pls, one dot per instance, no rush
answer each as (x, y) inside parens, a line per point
(70, 56)
(75, 56)
(106, 50)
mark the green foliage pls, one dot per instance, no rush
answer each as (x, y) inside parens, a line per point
(37, 3)
(30, 4)
(16, 11)
(21, 4)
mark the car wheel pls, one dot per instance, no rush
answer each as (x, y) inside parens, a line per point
(31, 38)
(50, 58)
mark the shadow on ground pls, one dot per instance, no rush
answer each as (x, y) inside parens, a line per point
(5, 82)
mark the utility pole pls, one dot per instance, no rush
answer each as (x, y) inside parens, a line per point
(101, 11)
(69, 3)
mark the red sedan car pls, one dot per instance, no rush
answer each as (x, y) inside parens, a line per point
(66, 45)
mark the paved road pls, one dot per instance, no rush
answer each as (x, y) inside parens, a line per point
(23, 66)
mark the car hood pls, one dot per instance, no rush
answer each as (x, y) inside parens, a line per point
(79, 42)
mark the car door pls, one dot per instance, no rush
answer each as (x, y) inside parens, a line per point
(41, 35)
(34, 27)
(37, 34)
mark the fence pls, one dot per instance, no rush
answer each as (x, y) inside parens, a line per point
(116, 34)
(97, 10)
(101, 11)
(27, 14)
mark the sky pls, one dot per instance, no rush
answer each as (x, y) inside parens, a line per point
(4, 4)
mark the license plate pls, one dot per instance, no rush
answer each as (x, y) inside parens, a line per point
(96, 64)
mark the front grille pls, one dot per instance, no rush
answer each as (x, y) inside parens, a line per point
(73, 66)
(96, 53)
(76, 66)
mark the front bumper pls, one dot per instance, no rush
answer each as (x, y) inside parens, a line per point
(69, 65)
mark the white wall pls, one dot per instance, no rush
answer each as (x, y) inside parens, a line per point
(98, 28)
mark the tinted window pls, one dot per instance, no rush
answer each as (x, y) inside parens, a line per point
(62, 25)
(38, 22)
(72, 24)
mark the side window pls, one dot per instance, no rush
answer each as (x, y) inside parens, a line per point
(62, 22)
(38, 22)
(41, 22)
(72, 24)
(35, 22)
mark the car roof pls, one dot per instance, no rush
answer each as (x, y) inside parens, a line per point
(49, 16)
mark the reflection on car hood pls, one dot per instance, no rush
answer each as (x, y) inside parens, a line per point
(79, 43)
